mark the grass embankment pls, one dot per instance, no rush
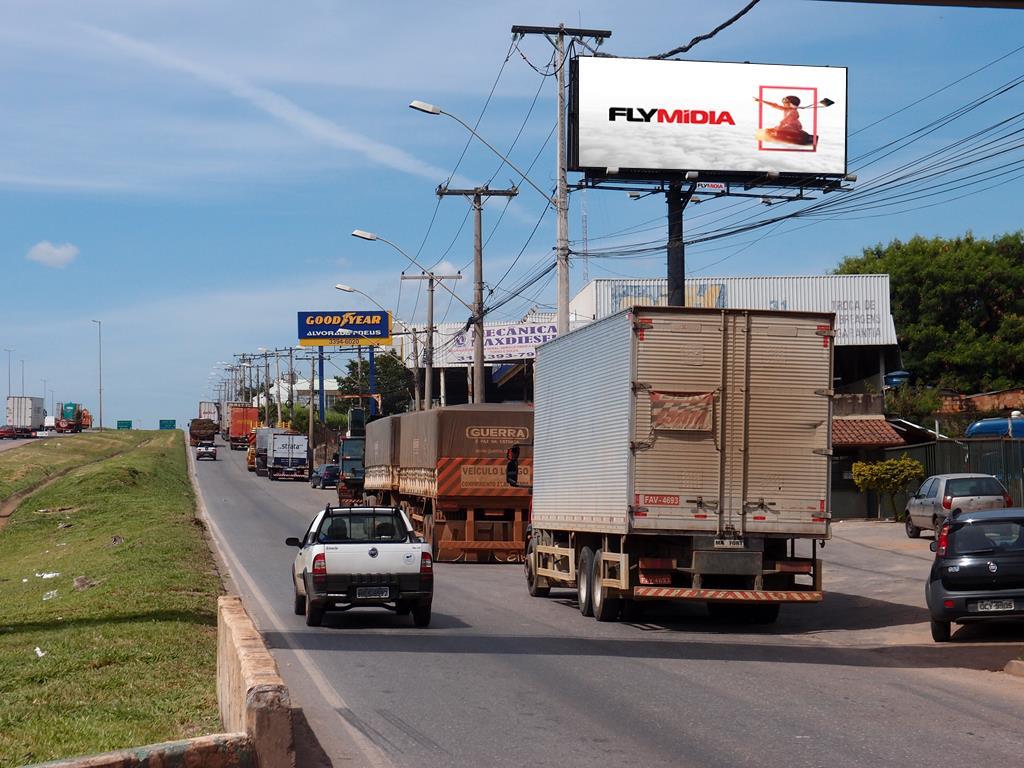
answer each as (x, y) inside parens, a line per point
(35, 462)
(129, 659)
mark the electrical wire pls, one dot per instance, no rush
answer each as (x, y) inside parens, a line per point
(700, 38)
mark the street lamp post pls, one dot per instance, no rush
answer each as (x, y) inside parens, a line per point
(99, 330)
(372, 377)
(8, 351)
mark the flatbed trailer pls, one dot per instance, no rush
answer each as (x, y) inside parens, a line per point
(683, 454)
(446, 468)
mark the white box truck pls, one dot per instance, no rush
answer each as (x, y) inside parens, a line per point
(28, 413)
(683, 454)
(288, 456)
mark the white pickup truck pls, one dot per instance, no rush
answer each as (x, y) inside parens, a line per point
(362, 556)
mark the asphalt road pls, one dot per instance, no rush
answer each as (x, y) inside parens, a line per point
(503, 679)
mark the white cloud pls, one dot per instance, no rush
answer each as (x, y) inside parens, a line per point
(51, 255)
(273, 104)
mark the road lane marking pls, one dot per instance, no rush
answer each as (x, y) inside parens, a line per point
(370, 751)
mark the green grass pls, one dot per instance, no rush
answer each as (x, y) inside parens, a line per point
(132, 660)
(31, 464)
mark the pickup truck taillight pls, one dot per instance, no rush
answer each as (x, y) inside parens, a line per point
(320, 565)
(426, 566)
(947, 502)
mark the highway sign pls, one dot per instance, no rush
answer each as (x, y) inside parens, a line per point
(124, 424)
(168, 424)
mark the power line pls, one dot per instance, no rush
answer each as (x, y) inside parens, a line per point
(684, 48)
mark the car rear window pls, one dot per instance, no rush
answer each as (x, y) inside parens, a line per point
(974, 486)
(362, 526)
(987, 538)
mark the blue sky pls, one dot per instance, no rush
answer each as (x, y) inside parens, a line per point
(189, 172)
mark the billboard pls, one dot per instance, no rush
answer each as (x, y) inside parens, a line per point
(170, 423)
(650, 116)
(507, 341)
(344, 329)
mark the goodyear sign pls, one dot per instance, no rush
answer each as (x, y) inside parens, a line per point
(344, 329)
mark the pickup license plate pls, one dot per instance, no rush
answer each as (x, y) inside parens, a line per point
(994, 605)
(378, 593)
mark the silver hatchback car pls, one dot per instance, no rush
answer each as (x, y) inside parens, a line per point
(942, 496)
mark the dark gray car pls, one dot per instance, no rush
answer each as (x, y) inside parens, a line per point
(978, 572)
(942, 496)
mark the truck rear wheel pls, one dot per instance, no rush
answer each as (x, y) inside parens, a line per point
(584, 573)
(605, 608)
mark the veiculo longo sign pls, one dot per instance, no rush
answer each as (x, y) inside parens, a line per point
(344, 329)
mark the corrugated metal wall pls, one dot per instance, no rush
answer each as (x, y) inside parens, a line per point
(582, 459)
(860, 302)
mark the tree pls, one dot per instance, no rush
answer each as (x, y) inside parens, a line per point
(889, 476)
(958, 306)
(914, 402)
(394, 381)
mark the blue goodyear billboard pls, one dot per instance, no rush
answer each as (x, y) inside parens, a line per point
(344, 329)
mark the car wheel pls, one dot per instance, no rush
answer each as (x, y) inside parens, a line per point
(583, 583)
(314, 613)
(421, 615)
(913, 532)
(605, 608)
(531, 578)
(941, 631)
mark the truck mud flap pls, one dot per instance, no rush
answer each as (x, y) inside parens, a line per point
(728, 595)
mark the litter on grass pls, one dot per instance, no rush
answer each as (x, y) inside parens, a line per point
(47, 575)
(50, 595)
(40, 652)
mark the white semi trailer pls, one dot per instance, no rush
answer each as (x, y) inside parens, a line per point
(26, 412)
(683, 454)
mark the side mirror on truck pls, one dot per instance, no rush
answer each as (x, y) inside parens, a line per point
(512, 467)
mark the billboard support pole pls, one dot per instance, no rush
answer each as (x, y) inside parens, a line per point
(323, 395)
(676, 250)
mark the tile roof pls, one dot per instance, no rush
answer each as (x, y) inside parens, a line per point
(864, 433)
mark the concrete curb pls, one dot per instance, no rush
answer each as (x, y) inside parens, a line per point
(251, 694)
(1015, 668)
(221, 750)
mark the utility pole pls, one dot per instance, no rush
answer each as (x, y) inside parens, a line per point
(428, 348)
(562, 190)
(99, 328)
(22, 378)
(417, 405)
(277, 384)
(8, 351)
(266, 383)
(312, 375)
(477, 195)
(291, 380)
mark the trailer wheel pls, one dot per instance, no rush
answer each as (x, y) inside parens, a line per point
(531, 578)
(584, 574)
(605, 608)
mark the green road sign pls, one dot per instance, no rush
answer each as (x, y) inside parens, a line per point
(168, 424)
(124, 424)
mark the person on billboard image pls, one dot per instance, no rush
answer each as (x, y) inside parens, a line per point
(789, 130)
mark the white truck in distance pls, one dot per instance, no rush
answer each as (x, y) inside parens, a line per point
(27, 413)
(288, 456)
(683, 454)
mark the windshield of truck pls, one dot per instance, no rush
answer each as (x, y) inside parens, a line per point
(974, 486)
(985, 538)
(362, 526)
(352, 449)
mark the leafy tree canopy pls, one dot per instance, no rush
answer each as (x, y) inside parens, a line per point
(889, 477)
(394, 381)
(958, 307)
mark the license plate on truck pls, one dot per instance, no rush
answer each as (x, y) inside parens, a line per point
(377, 593)
(986, 606)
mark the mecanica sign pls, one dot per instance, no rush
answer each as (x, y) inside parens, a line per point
(344, 329)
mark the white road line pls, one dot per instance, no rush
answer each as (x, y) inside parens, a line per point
(369, 751)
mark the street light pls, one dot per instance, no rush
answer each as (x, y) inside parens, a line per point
(99, 330)
(371, 373)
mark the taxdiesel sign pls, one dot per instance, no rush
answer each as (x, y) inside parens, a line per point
(649, 116)
(344, 329)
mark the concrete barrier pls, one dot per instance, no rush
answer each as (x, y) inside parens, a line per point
(252, 696)
(222, 750)
(1014, 667)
